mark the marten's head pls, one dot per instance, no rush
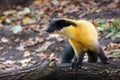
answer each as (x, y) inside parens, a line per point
(57, 25)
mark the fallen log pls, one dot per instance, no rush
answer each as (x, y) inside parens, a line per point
(88, 71)
(47, 70)
(30, 73)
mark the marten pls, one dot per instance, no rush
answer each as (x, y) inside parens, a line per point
(83, 38)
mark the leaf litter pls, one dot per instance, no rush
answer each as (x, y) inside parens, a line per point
(23, 40)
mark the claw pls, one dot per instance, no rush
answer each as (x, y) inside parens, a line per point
(75, 66)
(106, 62)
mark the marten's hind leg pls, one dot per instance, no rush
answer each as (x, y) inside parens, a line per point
(102, 56)
(92, 56)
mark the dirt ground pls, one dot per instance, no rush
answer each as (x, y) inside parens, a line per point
(10, 44)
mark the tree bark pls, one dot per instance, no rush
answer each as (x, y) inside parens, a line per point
(88, 71)
(46, 70)
(30, 73)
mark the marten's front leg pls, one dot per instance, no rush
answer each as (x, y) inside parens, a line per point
(79, 58)
(79, 53)
(68, 55)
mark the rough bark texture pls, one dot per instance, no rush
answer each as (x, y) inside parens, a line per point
(88, 71)
(31, 73)
(46, 71)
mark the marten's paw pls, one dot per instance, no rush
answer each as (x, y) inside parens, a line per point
(75, 66)
(106, 62)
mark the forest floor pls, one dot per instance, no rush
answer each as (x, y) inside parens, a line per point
(24, 42)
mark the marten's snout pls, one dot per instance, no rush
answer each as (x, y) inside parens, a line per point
(58, 24)
(52, 27)
(49, 29)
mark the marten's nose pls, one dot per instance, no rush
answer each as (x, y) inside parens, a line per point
(49, 30)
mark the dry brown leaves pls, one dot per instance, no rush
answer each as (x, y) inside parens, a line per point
(35, 18)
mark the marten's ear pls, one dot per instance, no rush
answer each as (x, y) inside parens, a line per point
(58, 24)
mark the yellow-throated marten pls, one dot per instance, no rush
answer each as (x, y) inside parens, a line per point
(82, 37)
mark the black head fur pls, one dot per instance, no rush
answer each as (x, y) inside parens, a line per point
(58, 24)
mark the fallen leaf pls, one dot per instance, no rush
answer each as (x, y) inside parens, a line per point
(53, 36)
(21, 47)
(1, 62)
(4, 40)
(116, 53)
(17, 40)
(30, 42)
(16, 29)
(52, 56)
(3, 19)
(114, 46)
(26, 20)
(1, 26)
(8, 12)
(95, 23)
(26, 10)
(43, 47)
(55, 2)
(24, 62)
(38, 40)
(1, 48)
(8, 20)
(43, 56)
(26, 54)
(37, 2)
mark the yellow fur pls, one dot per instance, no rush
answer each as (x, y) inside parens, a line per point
(82, 37)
